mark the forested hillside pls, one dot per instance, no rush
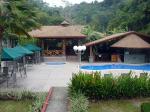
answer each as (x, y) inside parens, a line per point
(112, 16)
(47, 15)
(108, 17)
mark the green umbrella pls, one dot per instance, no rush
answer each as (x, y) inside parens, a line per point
(10, 54)
(32, 47)
(22, 50)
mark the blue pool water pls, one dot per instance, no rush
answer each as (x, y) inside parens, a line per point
(55, 63)
(145, 67)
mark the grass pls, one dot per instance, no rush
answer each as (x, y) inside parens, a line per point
(117, 105)
(15, 106)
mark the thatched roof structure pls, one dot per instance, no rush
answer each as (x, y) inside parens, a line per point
(116, 37)
(59, 31)
(131, 41)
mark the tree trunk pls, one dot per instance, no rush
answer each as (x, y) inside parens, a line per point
(1, 35)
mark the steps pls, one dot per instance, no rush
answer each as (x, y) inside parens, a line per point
(72, 58)
(55, 59)
(60, 58)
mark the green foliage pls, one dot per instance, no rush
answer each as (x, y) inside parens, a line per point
(79, 103)
(145, 107)
(95, 14)
(23, 40)
(18, 17)
(37, 105)
(15, 106)
(91, 34)
(116, 30)
(16, 95)
(96, 87)
(47, 15)
(134, 15)
(38, 98)
(109, 15)
(45, 19)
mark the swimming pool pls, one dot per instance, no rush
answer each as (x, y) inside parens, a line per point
(55, 63)
(143, 67)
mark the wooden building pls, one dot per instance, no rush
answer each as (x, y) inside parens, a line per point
(128, 47)
(58, 40)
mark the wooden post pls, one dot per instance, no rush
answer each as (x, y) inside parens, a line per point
(42, 44)
(79, 42)
(47, 46)
(64, 47)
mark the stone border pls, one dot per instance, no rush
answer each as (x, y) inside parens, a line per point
(45, 105)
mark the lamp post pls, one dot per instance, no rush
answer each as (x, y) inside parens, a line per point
(79, 50)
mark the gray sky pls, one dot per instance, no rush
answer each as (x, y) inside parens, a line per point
(64, 2)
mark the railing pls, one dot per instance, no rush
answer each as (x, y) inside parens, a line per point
(52, 52)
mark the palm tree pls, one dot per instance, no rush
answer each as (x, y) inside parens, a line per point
(17, 17)
(2, 13)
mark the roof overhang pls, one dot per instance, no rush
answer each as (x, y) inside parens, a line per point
(115, 37)
(54, 32)
(60, 37)
(132, 41)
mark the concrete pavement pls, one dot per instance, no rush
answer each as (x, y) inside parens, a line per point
(59, 100)
(42, 76)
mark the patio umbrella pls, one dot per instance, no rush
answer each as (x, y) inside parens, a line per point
(32, 47)
(25, 52)
(10, 54)
(22, 50)
(36, 51)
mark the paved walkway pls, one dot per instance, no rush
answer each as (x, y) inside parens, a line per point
(42, 76)
(58, 101)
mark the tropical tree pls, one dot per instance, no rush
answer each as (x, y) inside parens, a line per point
(133, 15)
(112, 15)
(47, 15)
(91, 34)
(17, 17)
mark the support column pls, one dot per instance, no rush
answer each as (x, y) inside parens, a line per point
(42, 44)
(79, 42)
(91, 57)
(64, 47)
(47, 45)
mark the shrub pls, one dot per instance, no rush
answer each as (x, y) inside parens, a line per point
(145, 107)
(96, 87)
(38, 98)
(16, 95)
(79, 103)
(37, 105)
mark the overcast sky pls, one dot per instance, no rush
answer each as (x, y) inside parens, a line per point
(63, 2)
